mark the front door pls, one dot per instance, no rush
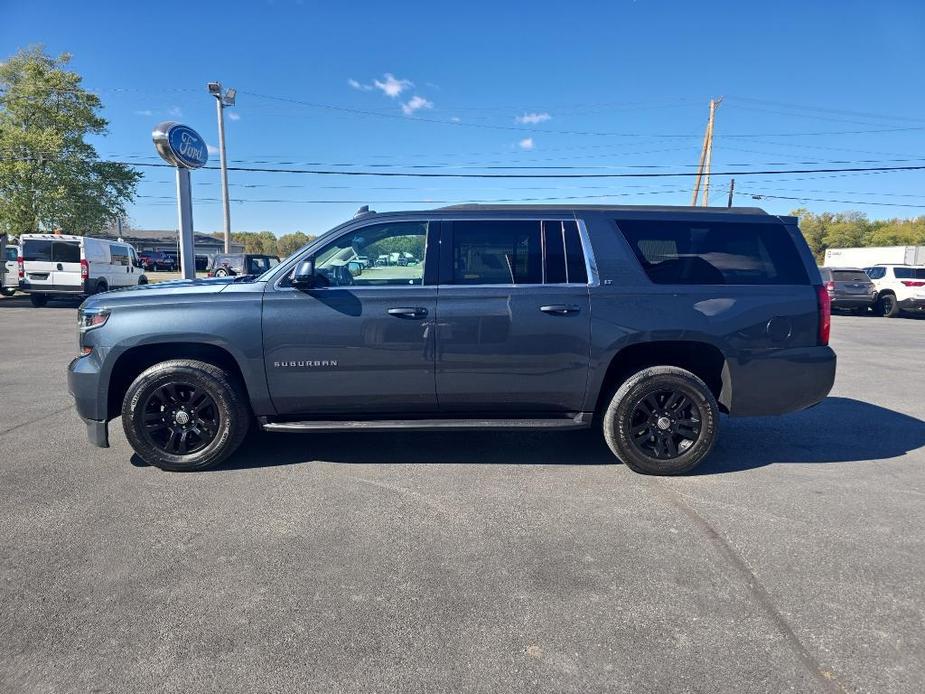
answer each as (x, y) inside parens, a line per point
(362, 340)
(514, 322)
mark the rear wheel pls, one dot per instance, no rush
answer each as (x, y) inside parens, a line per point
(7, 291)
(221, 272)
(142, 280)
(663, 420)
(38, 300)
(887, 306)
(101, 287)
(185, 415)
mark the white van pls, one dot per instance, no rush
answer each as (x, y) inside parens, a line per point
(9, 266)
(62, 265)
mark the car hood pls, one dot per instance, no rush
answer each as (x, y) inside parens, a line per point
(165, 291)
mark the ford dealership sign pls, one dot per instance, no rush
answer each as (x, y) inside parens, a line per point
(180, 145)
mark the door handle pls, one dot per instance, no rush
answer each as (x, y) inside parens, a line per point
(60, 267)
(408, 312)
(560, 309)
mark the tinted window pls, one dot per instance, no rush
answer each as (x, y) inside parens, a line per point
(377, 255)
(497, 252)
(826, 274)
(554, 256)
(909, 273)
(575, 255)
(849, 276)
(65, 252)
(714, 252)
(260, 264)
(876, 273)
(11, 253)
(38, 249)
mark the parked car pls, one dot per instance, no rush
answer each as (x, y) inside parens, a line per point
(646, 321)
(899, 288)
(231, 264)
(849, 288)
(9, 269)
(158, 261)
(62, 265)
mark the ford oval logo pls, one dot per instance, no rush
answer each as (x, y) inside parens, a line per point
(180, 145)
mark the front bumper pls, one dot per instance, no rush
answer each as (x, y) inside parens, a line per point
(780, 381)
(83, 383)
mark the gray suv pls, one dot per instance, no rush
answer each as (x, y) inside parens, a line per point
(647, 322)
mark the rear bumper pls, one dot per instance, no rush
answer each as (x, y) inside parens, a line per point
(781, 381)
(75, 290)
(853, 301)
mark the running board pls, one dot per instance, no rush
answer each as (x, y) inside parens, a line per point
(582, 420)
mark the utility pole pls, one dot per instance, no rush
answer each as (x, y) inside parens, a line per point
(732, 188)
(222, 101)
(706, 158)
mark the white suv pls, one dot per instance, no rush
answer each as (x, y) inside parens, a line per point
(899, 288)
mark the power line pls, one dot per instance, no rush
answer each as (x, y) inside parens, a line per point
(761, 196)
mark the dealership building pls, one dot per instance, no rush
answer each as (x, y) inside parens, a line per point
(146, 240)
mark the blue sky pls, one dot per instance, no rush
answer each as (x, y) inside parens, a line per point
(608, 87)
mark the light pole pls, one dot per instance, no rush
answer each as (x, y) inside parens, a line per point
(223, 100)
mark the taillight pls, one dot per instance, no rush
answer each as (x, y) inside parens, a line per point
(824, 302)
(830, 287)
(84, 269)
(22, 267)
(913, 284)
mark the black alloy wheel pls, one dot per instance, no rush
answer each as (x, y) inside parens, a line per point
(180, 418)
(664, 424)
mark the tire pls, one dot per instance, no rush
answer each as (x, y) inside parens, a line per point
(221, 272)
(7, 291)
(631, 409)
(38, 300)
(100, 288)
(142, 280)
(887, 306)
(223, 421)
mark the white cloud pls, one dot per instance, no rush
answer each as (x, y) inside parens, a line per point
(145, 112)
(392, 86)
(212, 149)
(416, 103)
(455, 119)
(233, 116)
(361, 87)
(175, 111)
(526, 143)
(532, 118)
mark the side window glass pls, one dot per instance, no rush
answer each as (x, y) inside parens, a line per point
(497, 252)
(377, 255)
(574, 254)
(554, 257)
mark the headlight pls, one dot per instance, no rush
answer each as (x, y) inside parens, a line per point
(90, 318)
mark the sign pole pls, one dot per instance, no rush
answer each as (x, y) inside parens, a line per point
(184, 148)
(185, 209)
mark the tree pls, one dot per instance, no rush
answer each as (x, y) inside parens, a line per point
(50, 177)
(287, 244)
(268, 243)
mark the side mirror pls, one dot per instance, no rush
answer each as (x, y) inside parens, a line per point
(304, 275)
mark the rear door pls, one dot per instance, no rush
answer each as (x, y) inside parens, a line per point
(66, 255)
(10, 266)
(851, 284)
(37, 263)
(120, 266)
(513, 317)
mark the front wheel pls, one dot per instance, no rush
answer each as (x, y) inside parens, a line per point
(888, 306)
(663, 420)
(38, 300)
(185, 415)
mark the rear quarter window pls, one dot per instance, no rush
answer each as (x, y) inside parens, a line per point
(695, 252)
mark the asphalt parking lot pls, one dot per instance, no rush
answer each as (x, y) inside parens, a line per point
(794, 560)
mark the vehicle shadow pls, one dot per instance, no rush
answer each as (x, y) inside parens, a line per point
(23, 301)
(839, 430)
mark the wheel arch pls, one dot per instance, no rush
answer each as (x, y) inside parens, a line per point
(134, 360)
(704, 359)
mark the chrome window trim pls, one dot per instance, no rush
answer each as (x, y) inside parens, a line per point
(430, 217)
